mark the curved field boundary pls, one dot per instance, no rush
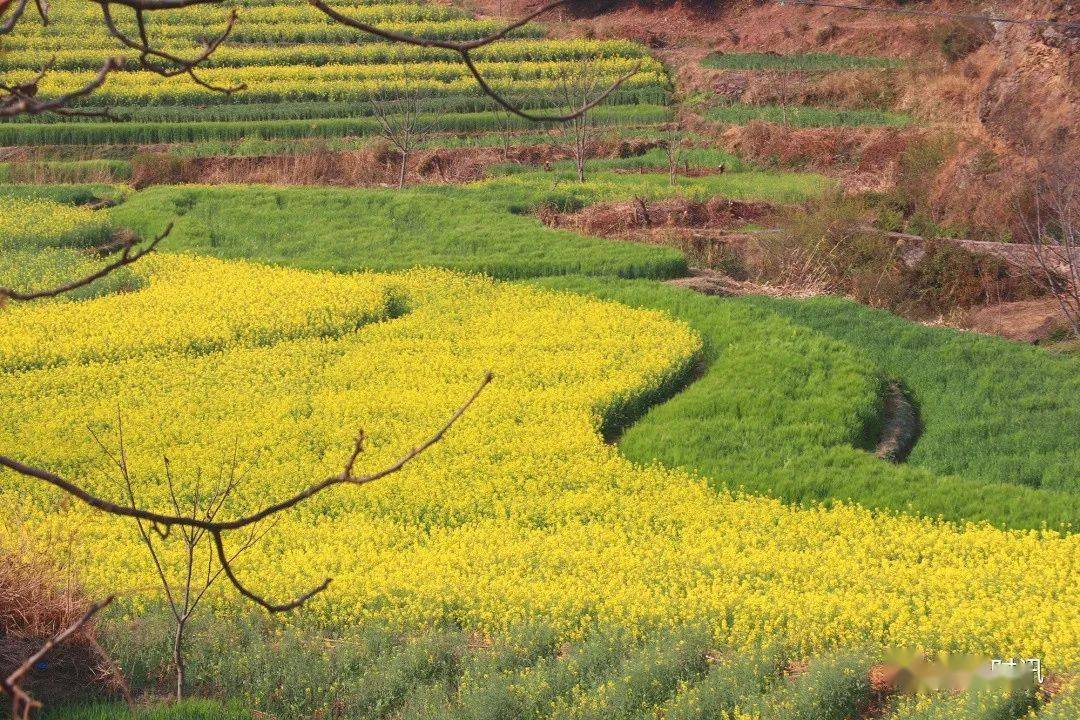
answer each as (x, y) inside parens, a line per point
(996, 415)
(992, 409)
(783, 409)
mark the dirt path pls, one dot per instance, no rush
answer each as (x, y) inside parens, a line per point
(900, 427)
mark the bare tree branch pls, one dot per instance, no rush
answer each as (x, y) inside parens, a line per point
(217, 528)
(8, 25)
(576, 85)
(167, 64)
(464, 49)
(22, 99)
(1054, 234)
(21, 702)
(128, 255)
(179, 65)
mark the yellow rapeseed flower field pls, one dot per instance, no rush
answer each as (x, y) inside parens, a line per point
(42, 223)
(523, 511)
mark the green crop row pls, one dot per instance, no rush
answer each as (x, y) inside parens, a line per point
(323, 110)
(805, 62)
(805, 116)
(102, 133)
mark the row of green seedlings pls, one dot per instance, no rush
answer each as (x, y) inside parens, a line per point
(529, 674)
(325, 109)
(104, 133)
(805, 116)
(800, 62)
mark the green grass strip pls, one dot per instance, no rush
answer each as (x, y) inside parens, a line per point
(369, 229)
(790, 401)
(805, 62)
(805, 116)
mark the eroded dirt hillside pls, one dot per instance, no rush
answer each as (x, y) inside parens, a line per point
(1001, 95)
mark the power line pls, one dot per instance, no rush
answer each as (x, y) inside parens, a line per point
(935, 13)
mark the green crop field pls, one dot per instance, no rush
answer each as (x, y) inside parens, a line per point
(479, 228)
(307, 76)
(659, 504)
(802, 62)
(347, 230)
(782, 399)
(790, 403)
(805, 116)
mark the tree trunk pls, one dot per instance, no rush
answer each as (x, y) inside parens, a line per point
(401, 170)
(178, 658)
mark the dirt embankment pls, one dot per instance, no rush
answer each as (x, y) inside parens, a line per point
(371, 167)
(1005, 93)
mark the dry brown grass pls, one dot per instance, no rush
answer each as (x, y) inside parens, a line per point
(849, 89)
(36, 602)
(867, 149)
(373, 166)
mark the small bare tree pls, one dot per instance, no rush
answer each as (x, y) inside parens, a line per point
(506, 123)
(674, 135)
(1053, 232)
(673, 138)
(785, 95)
(576, 85)
(184, 596)
(405, 118)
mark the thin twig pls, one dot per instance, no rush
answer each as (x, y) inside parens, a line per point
(21, 702)
(464, 49)
(127, 257)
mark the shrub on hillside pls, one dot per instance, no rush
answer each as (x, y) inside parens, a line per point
(958, 40)
(836, 246)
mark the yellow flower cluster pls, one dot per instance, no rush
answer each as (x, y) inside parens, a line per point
(522, 511)
(40, 223)
(315, 54)
(354, 80)
(207, 305)
(276, 13)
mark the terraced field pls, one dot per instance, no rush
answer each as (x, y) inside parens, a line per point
(306, 75)
(739, 513)
(787, 73)
(552, 517)
(666, 505)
